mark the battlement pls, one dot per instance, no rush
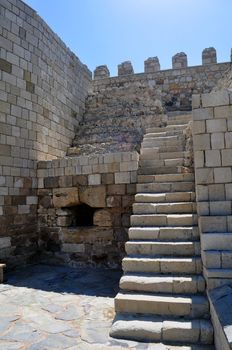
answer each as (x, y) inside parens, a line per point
(152, 64)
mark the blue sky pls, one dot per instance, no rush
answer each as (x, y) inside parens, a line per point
(112, 31)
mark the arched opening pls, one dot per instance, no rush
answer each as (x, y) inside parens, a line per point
(82, 215)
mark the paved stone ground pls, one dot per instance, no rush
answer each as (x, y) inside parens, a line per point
(51, 308)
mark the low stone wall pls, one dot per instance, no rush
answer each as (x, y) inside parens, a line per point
(100, 188)
(212, 144)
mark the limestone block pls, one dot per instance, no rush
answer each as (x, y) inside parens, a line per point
(64, 221)
(216, 192)
(65, 197)
(113, 201)
(211, 259)
(199, 159)
(202, 114)
(94, 179)
(128, 166)
(217, 140)
(122, 178)
(94, 196)
(102, 218)
(216, 125)
(196, 101)
(223, 112)
(204, 176)
(216, 241)
(214, 99)
(202, 193)
(116, 189)
(201, 142)
(222, 175)
(226, 157)
(86, 234)
(228, 139)
(203, 208)
(213, 224)
(228, 190)
(199, 127)
(220, 208)
(212, 158)
(226, 257)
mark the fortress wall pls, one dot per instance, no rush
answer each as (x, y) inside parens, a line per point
(107, 184)
(174, 86)
(212, 144)
(43, 87)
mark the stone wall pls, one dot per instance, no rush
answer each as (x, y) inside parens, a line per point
(174, 86)
(99, 188)
(212, 141)
(43, 87)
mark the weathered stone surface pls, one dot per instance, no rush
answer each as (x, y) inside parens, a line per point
(87, 235)
(102, 218)
(94, 196)
(65, 197)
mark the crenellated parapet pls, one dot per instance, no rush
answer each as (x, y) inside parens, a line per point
(209, 56)
(125, 68)
(152, 64)
(101, 72)
(179, 61)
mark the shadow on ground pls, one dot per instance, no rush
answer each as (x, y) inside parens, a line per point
(87, 281)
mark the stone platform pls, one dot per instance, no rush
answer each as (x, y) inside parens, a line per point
(50, 308)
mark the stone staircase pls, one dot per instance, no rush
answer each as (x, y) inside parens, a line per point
(162, 292)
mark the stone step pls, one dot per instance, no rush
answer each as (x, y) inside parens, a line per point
(2, 267)
(165, 136)
(192, 284)
(164, 220)
(165, 197)
(154, 248)
(192, 306)
(151, 154)
(153, 170)
(164, 133)
(164, 208)
(164, 148)
(161, 162)
(167, 265)
(156, 142)
(159, 329)
(165, 187)
(185, 177)
(166, 233)
(166, 128)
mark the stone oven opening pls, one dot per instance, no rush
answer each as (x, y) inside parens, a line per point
(82, 215)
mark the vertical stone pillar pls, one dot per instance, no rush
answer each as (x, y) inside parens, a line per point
(209, 56)
(125, 68)
(231, 55)
(179, 60)
(101, 72)
(151, 65)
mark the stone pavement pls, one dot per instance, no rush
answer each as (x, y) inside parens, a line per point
(52, 307)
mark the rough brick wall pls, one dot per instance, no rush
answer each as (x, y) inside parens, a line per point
(43, 87)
